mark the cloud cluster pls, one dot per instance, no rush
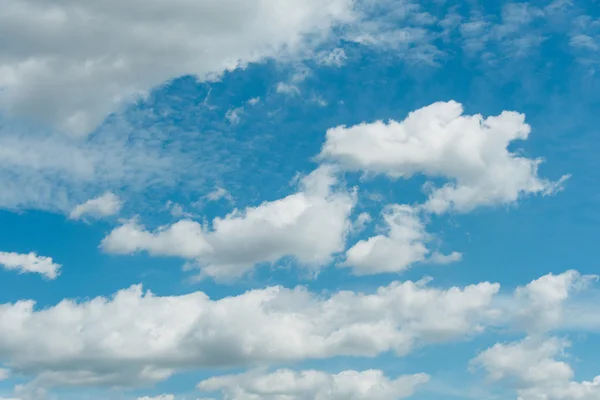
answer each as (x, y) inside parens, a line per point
(314, 385)
(30, 263)
(310, 225)
(75, 62)
(532, 363)
(440, 141)
(137, 338)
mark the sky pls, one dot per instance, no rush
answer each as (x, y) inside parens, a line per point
(299, 200)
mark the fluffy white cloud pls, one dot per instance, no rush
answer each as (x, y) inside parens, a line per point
(310, 225)
(138, 338)
(75, 61)
(439, 141)
(106, 205)
(314, 385)
(404, 244)
(539, 375)
(539, 305)
(30, 263)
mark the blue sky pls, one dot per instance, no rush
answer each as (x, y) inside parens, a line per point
(267, 200)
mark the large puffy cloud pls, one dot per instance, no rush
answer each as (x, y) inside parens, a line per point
(103, 206)
(30, 263)
(439, 141)
(138, 338)
(539, 375)
(314, 385)
(74, 61)
(310, 225)
(404, 244)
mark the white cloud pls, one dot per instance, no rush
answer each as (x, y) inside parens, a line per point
(439, 141)
(161, 397)
(218, 194)
(440, 258)
(73, 65)
(584, 41)
(4, 374)
(314, 385)
(310, 225)
(361, 222)
(137, 338)
(30, 263)
(540, 304)
(532, 364)
(333, 58)
(404, 244)
(233, 115)
(287, 88)
(104, 206)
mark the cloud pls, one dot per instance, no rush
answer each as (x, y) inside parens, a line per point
(314, 385)
(30, 263)
(218, 194)
(161, 397)
(440, 141)
(404, 244)
(332, 58)
(137, 338)
(73, 65)
(310, 225)
(104, 206)
(532, 364)
(540, 304)
(440, 258)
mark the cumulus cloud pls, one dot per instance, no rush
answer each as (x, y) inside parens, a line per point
(314, 385)
(73, 65)
(138, 338)
(440, 141)
(404, 244)
(106, 205)
(540, 304)
(310, 225)
(532, 363)
(30, 263)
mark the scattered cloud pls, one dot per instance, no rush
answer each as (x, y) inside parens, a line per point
(532, 363)
(361, 222)
(233, 115)
(440, 141)
(218, 194)
(30, 263)
(402, 245)
(104, 206)
(315, 385)
(331, 58)
(161, 397)
(310, 225)
(287, 88)
(136, 338)
(540, 303)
